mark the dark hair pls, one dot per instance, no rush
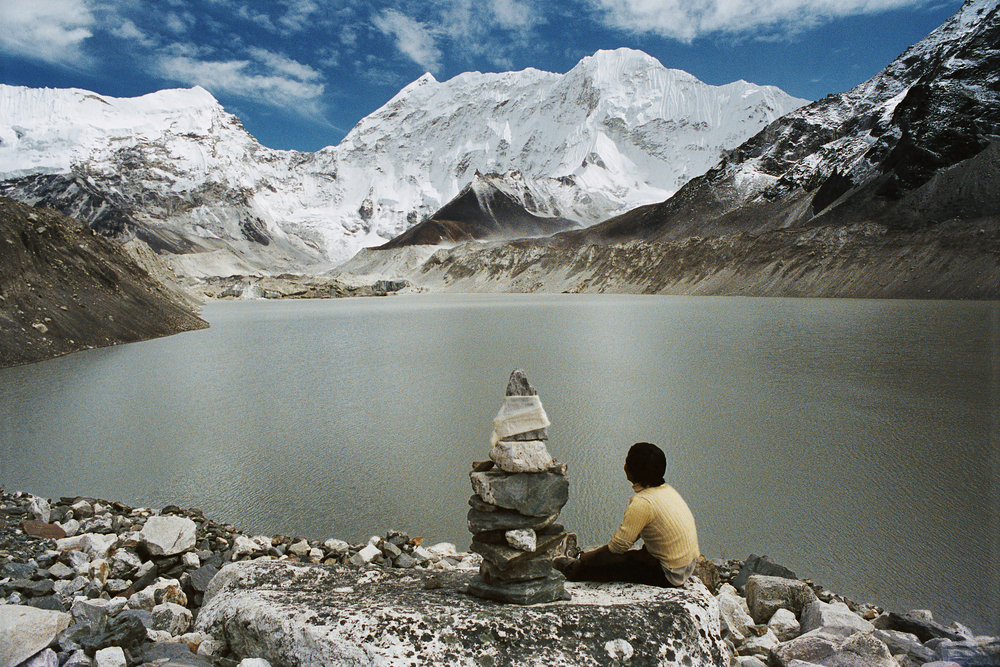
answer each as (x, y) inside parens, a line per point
(646, 464)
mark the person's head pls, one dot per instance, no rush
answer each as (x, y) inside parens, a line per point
(645, 464)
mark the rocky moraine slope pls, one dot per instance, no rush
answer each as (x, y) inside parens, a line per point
(65, 288)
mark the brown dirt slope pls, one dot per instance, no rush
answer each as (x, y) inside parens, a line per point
(65, 288)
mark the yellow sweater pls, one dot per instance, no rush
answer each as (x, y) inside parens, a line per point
(663, 520)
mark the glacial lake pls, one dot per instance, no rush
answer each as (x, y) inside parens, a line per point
(853, 441)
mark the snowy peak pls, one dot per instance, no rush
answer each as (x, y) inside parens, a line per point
(617, 131)
(857, 156)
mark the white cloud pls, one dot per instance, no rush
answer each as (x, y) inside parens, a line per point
(514, 14)
(131, 32)
(299, 14)
(412, 37)
(265, 77)
(49, 30)
(686, 20)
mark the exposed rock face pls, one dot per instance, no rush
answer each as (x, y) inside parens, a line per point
(297, 615)
(64, 288)
(25, 630)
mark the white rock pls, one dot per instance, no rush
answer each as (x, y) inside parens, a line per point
(524, 540)
(619, 650)
(760, 645)
(339, 547)
(39, 509)
(784, 625)
(171, 618)
(46, 658)
(190, 559)
(369, 552)
(244, 546)
(443, 550)
(146, 598)
(71, 526)
(94, 545)
(300, 549)
(168, 535)
(112, 656)
(835, 619)
(158, 635)
(254, 662)
(732, 611)
(423, 556)
(515, 457)
(315, 555)
(24, 631)
(211, 648)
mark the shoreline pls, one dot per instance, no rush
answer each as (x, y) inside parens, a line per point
(126, 583)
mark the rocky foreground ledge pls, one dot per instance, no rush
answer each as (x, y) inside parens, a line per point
(90, 583)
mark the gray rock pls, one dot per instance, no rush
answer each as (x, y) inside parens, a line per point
(922, 625)
(862, 650)
(533, 591)
(61, 571)
(24, 631)
(533, 568)
(168, 654)
(766, 595)
(46, 658)
(39, 509)
(171, 618)
(405, 561)
(735, 618)
(94, 545)
(834, 618)
(289, 613)
(760, 645)
(518, 385)
(970, 653)
(168, 535)
(534, 494)
(504, 519)
(760, 565)
(505, 556)
(92, 613)
(78, 659)
(784, 625)
(201, 577)
(812, 648)
(906, 644)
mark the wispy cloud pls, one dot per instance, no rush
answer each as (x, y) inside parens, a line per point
(265, 77)
(52, 31)
(686, 20)
(412, 37)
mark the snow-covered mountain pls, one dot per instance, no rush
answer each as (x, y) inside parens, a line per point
(617, 131)
(871, 154)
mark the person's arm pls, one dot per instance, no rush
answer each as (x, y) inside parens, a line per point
(637, 515)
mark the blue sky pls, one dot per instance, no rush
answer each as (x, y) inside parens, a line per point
(301, 73)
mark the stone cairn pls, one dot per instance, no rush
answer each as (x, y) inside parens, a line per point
(517, 497)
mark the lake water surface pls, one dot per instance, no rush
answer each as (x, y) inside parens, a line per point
(854, 441)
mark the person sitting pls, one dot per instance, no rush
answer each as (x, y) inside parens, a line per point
(658, 514)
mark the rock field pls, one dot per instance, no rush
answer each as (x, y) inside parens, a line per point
(92, 583)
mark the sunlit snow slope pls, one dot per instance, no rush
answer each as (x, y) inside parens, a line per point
(617, 131)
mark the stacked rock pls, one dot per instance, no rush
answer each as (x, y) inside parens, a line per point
(518, 495)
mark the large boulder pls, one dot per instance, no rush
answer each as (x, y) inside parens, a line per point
(168, 535)
(834, 618)
(24, 631)
(766, 595)
(301, 614)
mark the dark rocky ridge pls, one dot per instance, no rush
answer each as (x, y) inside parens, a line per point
(480, 212)
(65, 288)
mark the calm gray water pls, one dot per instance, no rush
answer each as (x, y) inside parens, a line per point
(852, 441)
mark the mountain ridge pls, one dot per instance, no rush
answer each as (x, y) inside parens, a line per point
(585, 149)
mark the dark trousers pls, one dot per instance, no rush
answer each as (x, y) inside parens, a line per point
(636, 566)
